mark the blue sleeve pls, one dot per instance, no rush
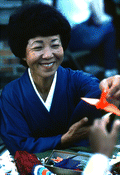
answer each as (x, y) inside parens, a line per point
(86, 85)
(16, 133)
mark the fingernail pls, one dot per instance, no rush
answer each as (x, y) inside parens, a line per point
(105, 90)
(118, 122)
(85, 119)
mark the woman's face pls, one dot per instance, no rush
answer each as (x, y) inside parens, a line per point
(44, 55)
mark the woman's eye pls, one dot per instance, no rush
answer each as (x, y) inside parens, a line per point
(37, 48)
(55, 45)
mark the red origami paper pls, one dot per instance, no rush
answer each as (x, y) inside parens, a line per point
(105, 105)
(102, 103)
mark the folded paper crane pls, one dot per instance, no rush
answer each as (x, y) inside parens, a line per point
(102, 103)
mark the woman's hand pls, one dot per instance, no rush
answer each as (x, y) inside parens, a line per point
(76, 132)
(101, 140)
(112, 85)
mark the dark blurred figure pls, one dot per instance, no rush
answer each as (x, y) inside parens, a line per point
(92, 29)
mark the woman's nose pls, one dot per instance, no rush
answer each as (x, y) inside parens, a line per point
(47, 53)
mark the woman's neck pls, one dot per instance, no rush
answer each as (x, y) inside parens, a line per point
(43, 85)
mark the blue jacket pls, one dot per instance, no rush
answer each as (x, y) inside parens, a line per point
(25, 122)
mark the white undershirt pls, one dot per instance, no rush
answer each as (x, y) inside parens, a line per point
(48, 101)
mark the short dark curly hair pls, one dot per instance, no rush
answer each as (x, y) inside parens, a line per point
(32, 20)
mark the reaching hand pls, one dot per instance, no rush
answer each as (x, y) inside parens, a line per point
(101, 140)
(112, 85)
(76, 132)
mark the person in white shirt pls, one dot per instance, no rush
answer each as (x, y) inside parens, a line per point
(102, 143)
(92, 29)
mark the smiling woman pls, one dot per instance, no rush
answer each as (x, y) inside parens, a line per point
(42, 109)
(31, 21)
(44, 55)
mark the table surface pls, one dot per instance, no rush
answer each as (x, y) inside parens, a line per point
(75, 150)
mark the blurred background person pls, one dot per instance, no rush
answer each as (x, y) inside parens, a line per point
(92, 29)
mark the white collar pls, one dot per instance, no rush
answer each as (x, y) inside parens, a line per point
(48, 101)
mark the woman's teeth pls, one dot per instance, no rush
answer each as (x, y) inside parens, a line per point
(47, 65)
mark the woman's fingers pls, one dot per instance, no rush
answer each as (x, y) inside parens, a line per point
(82, 122)
(112, 86)
(110, 83)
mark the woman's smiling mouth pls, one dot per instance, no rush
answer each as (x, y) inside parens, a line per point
(47, 65)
